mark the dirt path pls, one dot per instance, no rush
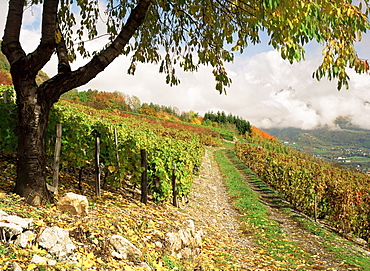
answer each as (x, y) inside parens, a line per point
(210, 205)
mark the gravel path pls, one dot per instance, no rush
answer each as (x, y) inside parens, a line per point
(211, 208)
(209, 205)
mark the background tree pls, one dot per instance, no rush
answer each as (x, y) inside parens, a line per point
(230, 122)
(190, 33)
(135, 104)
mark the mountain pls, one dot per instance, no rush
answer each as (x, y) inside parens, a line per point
(347, 145)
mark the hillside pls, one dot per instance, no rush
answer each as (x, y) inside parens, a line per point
(245, 235)
(347, 145)
(229, 218)
(247, 226)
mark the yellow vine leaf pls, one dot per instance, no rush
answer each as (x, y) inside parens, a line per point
(31, 266)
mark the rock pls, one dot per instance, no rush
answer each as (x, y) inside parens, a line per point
(185, 253)
(52, 262)
(2, 213)
(184, 243)
(145, 266)
(9, 231)
(36, 259)
(24, 238)
(212, 187)
(16, 267)
(124, 249)
(74, 203)
(185, 237)
(197, 239)
(117, 255)
(190, 225)
(24, 223)
(158, 244)
(12, 226)
(56, 240)
(173, 241)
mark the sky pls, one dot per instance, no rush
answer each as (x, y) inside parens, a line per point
(266, 90)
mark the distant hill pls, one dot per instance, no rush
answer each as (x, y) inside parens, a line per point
(348, 145)
(342, 137)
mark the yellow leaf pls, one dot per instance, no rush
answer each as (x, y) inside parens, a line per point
(90, 256)
(31, 266)
(111, 169)
(39, 223)
(30, 237)
(99, 260)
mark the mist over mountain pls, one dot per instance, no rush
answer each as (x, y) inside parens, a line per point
(346, 144)
(344, 132)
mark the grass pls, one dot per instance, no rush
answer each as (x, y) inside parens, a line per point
(332, 242)
(255, 214)
(264, 230)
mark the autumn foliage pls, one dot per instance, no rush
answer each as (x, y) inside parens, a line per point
(313, 186)
(5, 78)
(261, 134)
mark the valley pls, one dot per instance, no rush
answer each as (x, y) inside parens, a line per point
(347, 146)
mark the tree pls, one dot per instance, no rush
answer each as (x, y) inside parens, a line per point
(147, 110)
(190, 33)
(135, 104)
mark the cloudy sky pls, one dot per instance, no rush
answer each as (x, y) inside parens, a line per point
(266, 90)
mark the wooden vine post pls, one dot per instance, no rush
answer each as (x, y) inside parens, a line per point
(116, 142)
(97, 167)
(58, 144)
(5, 97)
(144, 177)
(174, 189)
(315, 207)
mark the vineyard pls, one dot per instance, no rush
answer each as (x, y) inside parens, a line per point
(320, 189)
(168, 145)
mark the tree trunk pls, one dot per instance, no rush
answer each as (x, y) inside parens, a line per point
(32, 117)
(34, 102)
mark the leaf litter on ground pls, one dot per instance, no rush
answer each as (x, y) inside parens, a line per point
(117, 211)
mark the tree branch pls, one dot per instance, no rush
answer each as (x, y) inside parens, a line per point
(48, 43)
(63, 62)
(98, 63)
(11, 46)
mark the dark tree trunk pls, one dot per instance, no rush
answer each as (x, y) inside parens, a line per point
(32, 117)
(34, 102)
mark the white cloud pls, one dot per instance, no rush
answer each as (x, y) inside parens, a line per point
(3, 12)
(266, 90)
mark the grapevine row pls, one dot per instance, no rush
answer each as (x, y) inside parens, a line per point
(318, 188)
(166, 147)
